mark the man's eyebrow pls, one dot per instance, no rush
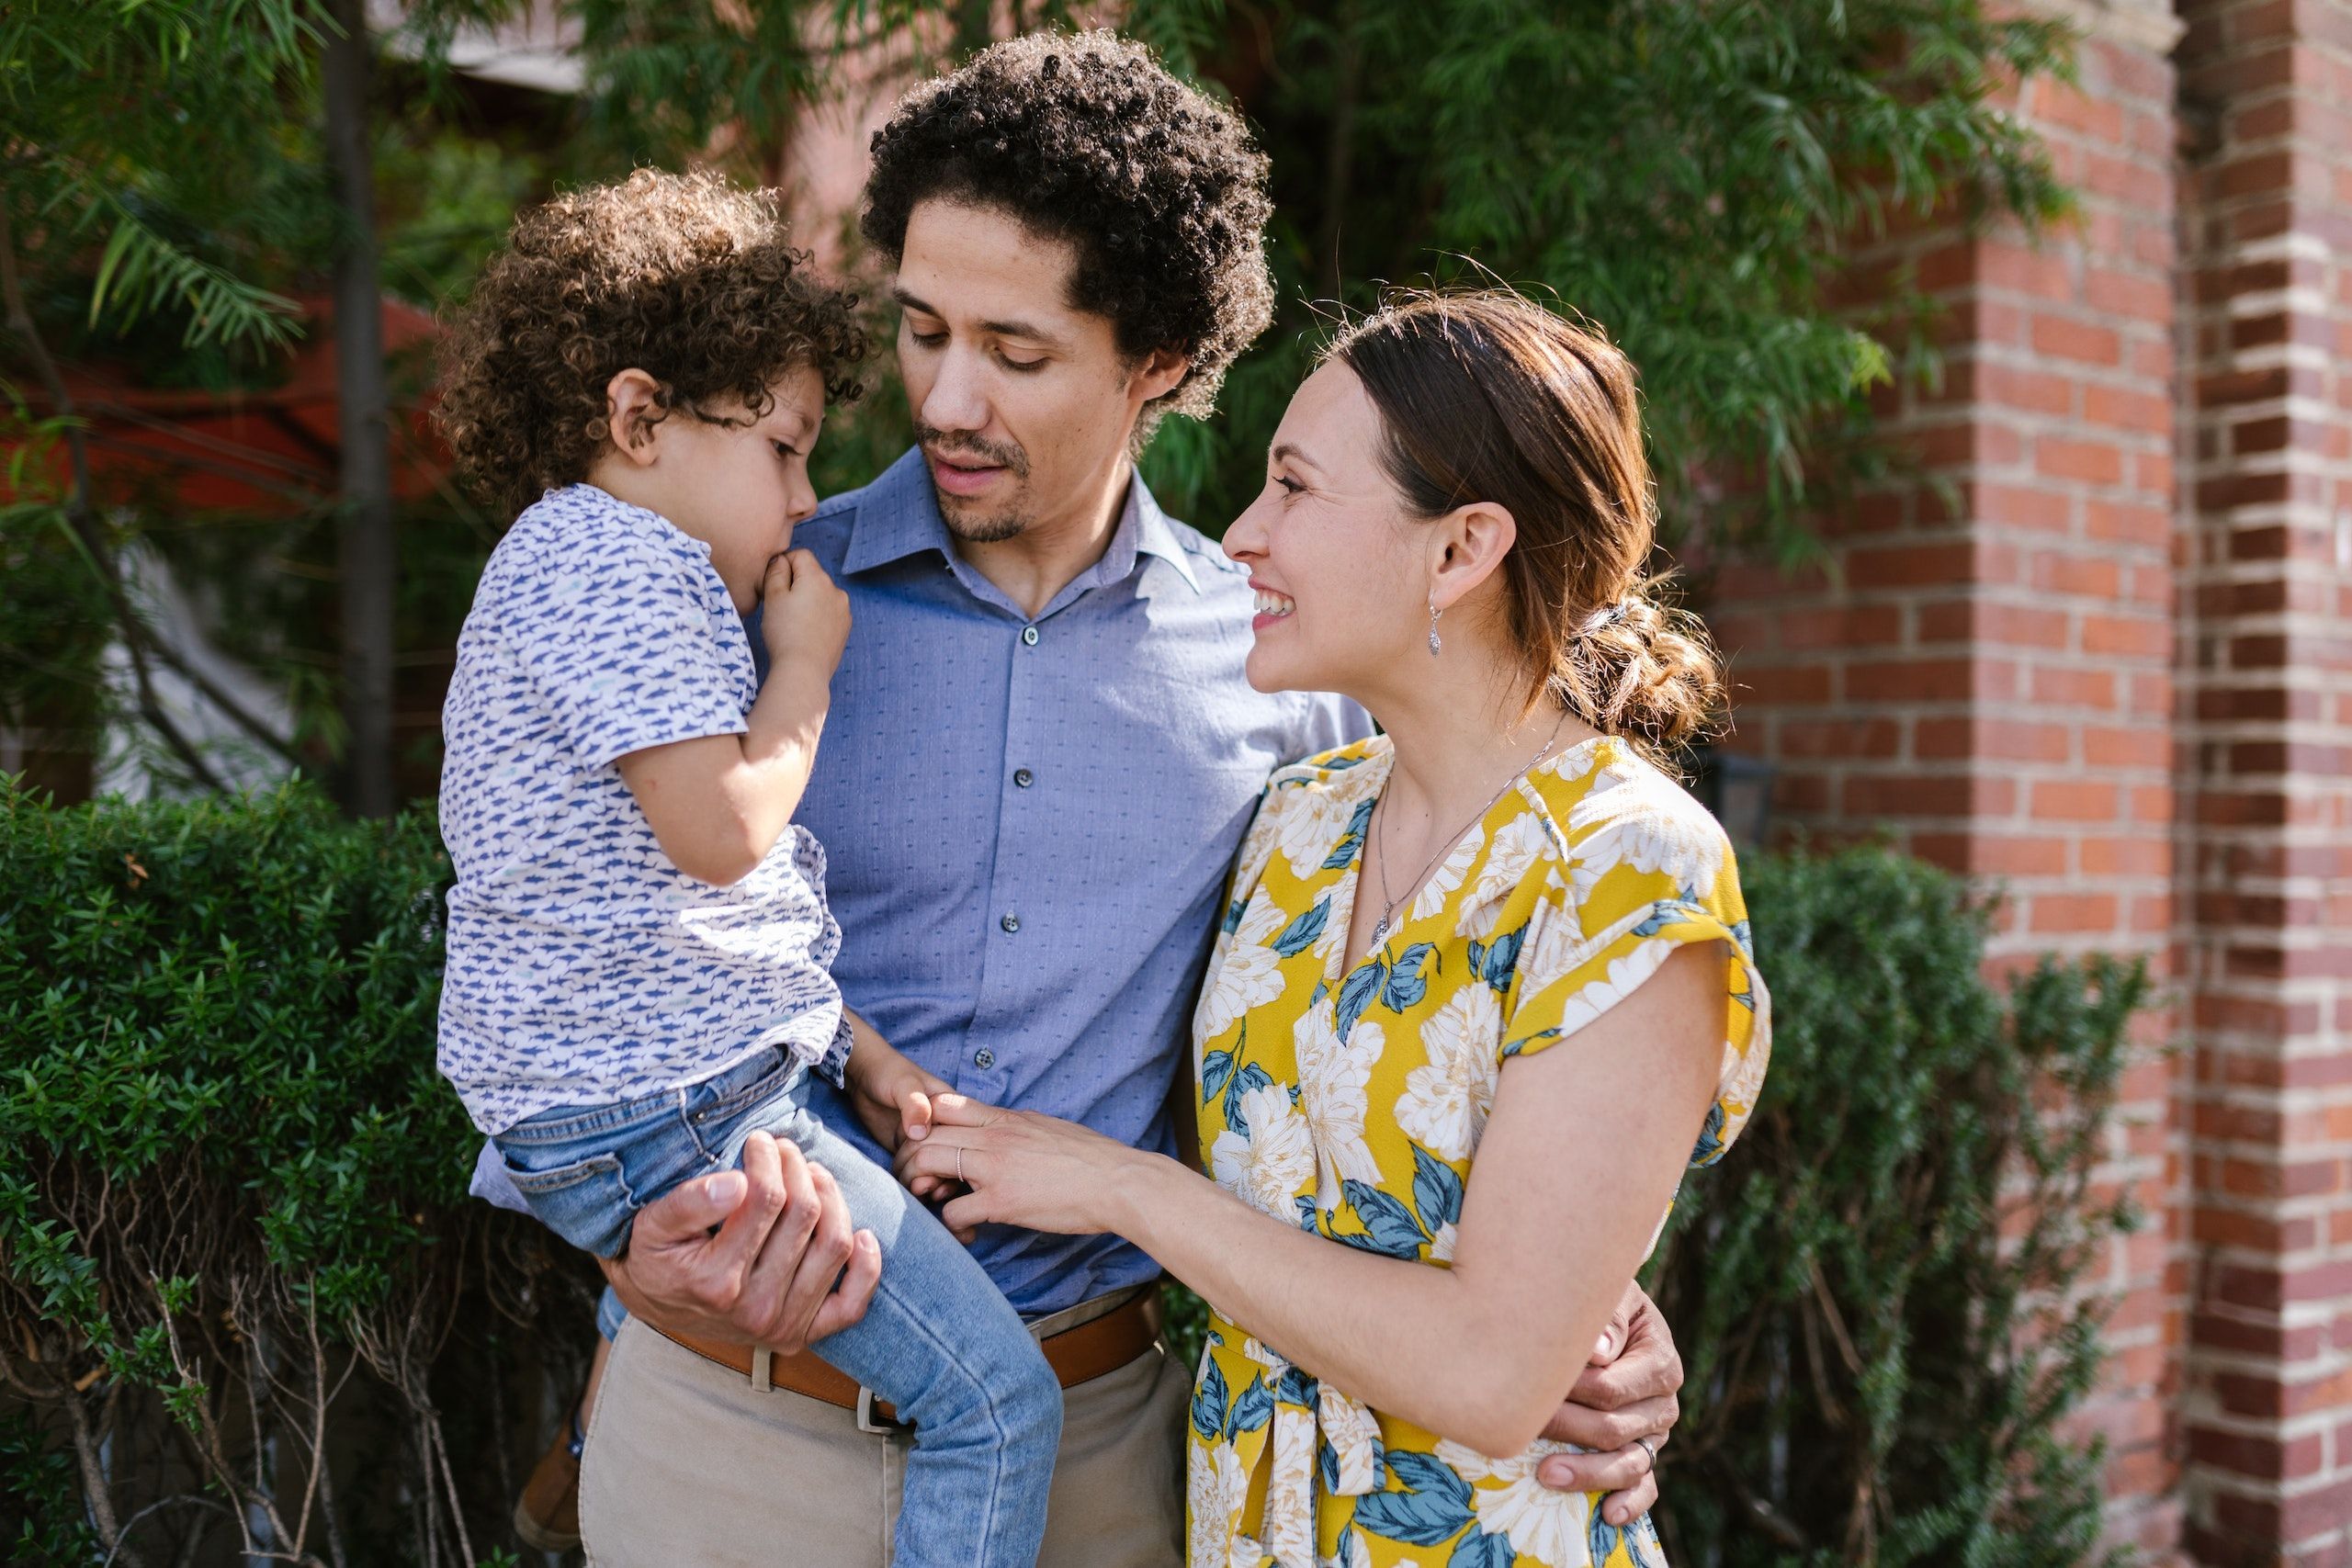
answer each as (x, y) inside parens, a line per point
(1027, 330)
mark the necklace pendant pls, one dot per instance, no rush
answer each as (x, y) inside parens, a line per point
(1379, 930)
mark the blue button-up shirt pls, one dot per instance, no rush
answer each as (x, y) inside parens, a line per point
(1029, 821)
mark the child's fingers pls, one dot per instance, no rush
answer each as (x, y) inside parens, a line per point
(914, 1114)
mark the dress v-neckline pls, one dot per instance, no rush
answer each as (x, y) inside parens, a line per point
(1337, 970)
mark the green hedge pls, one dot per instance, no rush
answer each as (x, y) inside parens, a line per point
(232, 1206)
(232, 1217)
(1875, 1376)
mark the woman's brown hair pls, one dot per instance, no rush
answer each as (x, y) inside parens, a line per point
(1486, 396)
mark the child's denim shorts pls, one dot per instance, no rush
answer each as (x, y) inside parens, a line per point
(587, 1169)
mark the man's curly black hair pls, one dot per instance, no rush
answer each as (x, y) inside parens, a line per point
(1088, 139)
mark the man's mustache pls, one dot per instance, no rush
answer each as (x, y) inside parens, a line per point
(940, 444)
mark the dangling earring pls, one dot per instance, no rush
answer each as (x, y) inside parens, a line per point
(1435, 643)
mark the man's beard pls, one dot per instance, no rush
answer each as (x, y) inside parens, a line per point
(971, 520)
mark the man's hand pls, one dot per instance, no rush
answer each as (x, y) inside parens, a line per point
(1627, 1393)
(772, 1272)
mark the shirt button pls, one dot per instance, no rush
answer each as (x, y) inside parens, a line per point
(1024, 777)
(984, 1057)
(1011, 923)
(1029, 635)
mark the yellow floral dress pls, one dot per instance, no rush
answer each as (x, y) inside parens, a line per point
(1352, 1104)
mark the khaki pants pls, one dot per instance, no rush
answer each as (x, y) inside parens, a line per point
(687, 1467)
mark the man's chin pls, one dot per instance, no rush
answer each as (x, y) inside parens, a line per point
(977, 525)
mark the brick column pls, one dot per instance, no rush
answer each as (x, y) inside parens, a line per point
(1989, 677)
(2266, 672)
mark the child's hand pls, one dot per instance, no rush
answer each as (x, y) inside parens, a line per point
(805, 614)
(892, 1095)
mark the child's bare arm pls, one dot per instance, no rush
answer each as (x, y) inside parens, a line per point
(718, 802)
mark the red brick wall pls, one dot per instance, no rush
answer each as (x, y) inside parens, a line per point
(2267, 677)
(1989, 675)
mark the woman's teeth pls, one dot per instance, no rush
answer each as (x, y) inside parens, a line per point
(1272, 603)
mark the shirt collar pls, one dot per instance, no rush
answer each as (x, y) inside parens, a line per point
(898, 517)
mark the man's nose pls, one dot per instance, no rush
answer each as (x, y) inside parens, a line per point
(958, 400)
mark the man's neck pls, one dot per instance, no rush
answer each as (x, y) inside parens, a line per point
(1043, 558)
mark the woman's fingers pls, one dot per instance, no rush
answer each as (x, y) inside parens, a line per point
(953, 1110)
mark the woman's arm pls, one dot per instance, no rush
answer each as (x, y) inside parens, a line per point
(1577, 1163)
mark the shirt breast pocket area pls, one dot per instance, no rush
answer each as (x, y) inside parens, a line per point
(1170, 839)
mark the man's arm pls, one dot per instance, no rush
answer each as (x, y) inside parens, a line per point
(781, 1269)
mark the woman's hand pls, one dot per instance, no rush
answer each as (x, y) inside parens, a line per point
(1021, 1168)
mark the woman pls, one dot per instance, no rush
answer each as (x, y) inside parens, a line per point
(1415, 1201)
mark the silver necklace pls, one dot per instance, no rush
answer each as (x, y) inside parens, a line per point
(1380, 927)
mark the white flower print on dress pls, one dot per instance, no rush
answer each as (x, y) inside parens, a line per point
(1312, 822)
(1217, 1484)
(1546, 1526)
(1448, 876)
(1556, 946)
(1246, 975)
(1333, 1079)
(1634, 816)
(1624, 974)
(1518, 845)
(1290, 1489)
(1274, 1161)
(1446, 1099)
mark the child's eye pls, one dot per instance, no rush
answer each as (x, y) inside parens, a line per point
(786, 452)
(929, 340)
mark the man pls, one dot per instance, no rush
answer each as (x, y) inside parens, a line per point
(1041, 755)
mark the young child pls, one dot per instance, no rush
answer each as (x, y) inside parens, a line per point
(639, 938)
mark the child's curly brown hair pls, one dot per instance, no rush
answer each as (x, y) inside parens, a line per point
(683, 276)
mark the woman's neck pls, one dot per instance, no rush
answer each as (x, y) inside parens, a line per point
(1452, 755)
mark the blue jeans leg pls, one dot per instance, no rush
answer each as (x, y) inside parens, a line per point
(941, 1344)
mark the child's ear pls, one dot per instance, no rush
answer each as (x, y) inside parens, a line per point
(632, 408)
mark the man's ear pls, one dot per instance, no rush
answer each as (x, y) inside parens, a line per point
(632, 408)
(1156, 374)
(1466, 547)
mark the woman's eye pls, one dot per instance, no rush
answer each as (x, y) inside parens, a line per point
(1022, 366)
(1290, 486)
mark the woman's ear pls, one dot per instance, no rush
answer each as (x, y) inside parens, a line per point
(1467, 547)
(632, 409)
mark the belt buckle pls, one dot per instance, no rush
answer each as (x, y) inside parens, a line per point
(869, 1422)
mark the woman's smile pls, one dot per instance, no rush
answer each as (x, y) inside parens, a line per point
(1272, 608)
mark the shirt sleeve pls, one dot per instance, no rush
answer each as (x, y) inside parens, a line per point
(1584, 955)
(624, 649)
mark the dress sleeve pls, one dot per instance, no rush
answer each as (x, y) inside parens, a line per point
(1600, 934)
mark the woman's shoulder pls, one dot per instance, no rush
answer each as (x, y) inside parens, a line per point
(1619, 815)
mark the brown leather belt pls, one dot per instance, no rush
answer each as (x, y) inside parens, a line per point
(1077, 1355)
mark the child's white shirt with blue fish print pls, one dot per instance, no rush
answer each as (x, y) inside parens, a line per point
(584, 967)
